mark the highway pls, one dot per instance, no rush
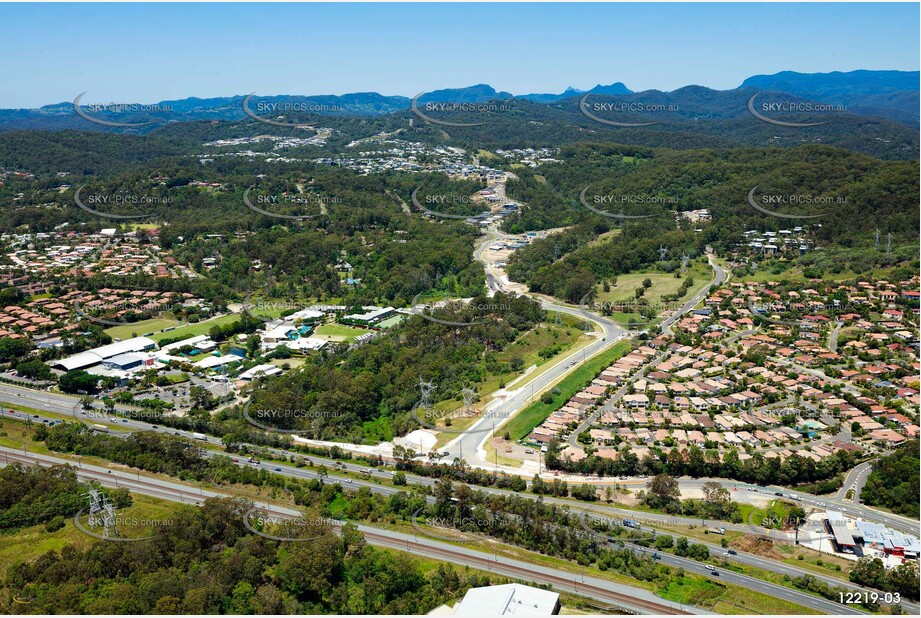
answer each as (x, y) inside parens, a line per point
(69, 406)
(632, 599)
(506, 403)
(597, 510)
(720, 574)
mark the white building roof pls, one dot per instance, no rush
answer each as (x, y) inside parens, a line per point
(97, 355)
(126, 359)
(507, 600)
(260, 370)
(192, 341)
(216, 361)
(306, 314)
(371, 315)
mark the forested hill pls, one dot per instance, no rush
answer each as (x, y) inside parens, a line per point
(864, 193)
(894, 481)
(687, 118)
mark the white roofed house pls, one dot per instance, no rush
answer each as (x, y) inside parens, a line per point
(277, 333)
(637, 400)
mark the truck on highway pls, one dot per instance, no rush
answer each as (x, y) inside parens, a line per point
(200, 436)
(254, 461)
(630, 523)
(100, 428)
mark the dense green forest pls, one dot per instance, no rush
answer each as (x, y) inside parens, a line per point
(877, 194)
(894, 481)
(700, 118)
(207, 562)
(369, 393)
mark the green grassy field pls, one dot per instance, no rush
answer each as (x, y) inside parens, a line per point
(795, 274)
(26, 544)
(339, 332)
(140, 328)
(522, 423)
(662, 284)
(199, 328)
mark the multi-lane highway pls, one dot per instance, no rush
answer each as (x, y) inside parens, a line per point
(597, 510)
(742, 492)
(469, 445)
(631, 599)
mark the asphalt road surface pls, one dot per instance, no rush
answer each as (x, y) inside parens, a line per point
(604, 591)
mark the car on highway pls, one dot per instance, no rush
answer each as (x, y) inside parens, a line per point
(709, 567)
(277, 469)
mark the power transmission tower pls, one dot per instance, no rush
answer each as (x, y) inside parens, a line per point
(663, 252)
(426, 389)
(99, 503)
(469, 395)
(876, 242)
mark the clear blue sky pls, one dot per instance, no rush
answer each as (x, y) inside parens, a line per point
(151, 52)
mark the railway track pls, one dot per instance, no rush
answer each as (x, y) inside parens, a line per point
(381, 538)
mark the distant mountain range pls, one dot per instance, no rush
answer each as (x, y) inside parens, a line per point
(889, 94)
(892, 95)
